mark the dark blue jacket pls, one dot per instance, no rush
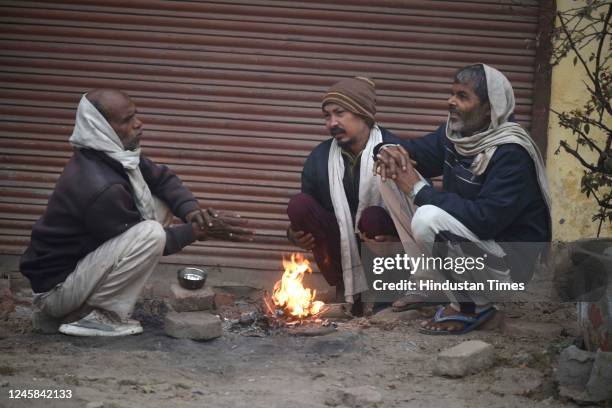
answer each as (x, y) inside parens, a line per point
(315, 179)
(504, 203)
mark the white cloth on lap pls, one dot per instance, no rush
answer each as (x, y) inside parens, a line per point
(369, 195)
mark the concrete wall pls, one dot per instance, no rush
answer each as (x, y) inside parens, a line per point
(571, 211)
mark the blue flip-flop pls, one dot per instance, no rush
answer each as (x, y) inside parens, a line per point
(471, 322)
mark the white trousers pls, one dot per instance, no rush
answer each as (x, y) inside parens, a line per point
(417, 230)
(113, 275)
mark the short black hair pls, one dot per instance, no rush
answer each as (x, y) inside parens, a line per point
(475, 76)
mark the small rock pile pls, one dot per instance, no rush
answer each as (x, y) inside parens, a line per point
(191, 316)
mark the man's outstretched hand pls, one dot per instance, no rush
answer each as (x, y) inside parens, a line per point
(213, 224)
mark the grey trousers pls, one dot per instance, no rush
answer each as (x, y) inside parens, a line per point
(112, 276)
(418, 227)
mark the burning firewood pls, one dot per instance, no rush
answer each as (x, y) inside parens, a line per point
(291, 303)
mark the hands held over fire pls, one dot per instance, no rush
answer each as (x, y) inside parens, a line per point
(212, 224)
(394, 162)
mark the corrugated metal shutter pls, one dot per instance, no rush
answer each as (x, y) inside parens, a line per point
(230, 90)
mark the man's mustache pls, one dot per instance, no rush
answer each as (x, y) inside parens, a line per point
(337, 130)
(453, 110)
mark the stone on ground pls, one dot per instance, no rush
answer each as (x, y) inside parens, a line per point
(574, 368)
(185, 300)
(192, 325)
(599, 387)
(465, 358)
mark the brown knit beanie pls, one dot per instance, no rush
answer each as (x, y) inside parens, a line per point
(357, 95)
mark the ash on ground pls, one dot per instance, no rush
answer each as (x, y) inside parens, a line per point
(247, 318)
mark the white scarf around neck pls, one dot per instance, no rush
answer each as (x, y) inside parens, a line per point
(92, 131)
(482, 145)
(369, 195)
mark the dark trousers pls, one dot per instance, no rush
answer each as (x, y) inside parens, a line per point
(307, 215)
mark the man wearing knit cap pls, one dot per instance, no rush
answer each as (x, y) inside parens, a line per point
(340, 197)
(493, 208)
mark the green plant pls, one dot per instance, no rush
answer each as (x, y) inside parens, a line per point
(578, 32)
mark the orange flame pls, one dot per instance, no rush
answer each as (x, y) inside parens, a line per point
(289, 293)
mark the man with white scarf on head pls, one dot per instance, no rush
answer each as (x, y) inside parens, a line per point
(107, 223)
(494, 201)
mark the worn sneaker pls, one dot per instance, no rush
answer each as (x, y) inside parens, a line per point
(99, 323)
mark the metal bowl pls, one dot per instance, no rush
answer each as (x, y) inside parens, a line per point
(192, 278)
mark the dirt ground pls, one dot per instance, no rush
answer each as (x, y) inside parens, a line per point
(386, 357)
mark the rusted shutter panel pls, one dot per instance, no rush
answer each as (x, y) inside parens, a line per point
(230, 90)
